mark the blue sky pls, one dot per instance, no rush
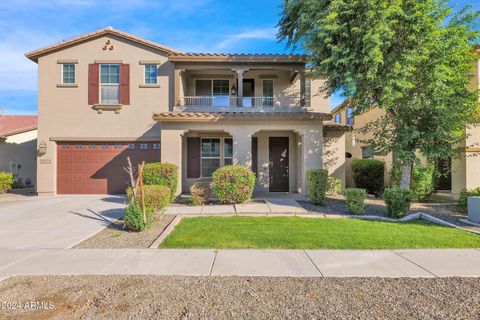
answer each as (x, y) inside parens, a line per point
(246, 26)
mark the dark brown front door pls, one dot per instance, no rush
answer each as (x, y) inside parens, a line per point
(278, 166)
(97, 167)
(444, 181)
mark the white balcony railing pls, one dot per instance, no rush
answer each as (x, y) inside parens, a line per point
(232, 102)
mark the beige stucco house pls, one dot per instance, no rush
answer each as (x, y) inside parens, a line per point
(107, 95)
(18, 146)
(459, 173)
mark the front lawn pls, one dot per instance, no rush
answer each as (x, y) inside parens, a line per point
(309, 233)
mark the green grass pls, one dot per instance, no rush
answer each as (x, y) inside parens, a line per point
(308, 233)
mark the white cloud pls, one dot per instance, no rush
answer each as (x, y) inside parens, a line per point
(233, 41)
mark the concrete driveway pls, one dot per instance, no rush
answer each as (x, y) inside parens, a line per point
(57, 221)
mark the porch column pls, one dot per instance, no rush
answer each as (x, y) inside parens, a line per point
(177, 85)
(312, 152)
(242, 146)
(171, 151)
(301, 74)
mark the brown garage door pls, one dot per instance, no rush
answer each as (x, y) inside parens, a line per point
(97, 168)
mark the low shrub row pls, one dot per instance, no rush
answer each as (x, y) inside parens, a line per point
(355, 200)
(397, 201)
(6, 182)
(162, 174)
(369, 174)
(233, 184)
(462, 204)
(201, 192)
(317, 184)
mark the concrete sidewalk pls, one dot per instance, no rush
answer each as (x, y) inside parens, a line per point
(207, 262)
(260, 207)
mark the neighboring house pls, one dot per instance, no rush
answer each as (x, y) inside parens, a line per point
(457, 173)
(107, 95)
(18, 147)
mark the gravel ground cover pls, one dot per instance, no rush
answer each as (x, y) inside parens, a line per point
(149, 297)
(115, 236)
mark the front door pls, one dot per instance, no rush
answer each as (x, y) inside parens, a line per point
(278, 164)
(444, 181)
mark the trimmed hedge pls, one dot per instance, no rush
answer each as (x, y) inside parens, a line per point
(134, 218)
(397, 201)
(233, 184)
(317, 182)
(355, 200)
(462, 203)
(200, 193)
(162, 174)
(156, 197)
(334, 186)
(369, 174)
(6, 181)
(423, 182)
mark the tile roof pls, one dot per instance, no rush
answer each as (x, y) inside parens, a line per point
(332, 126)
(237, 57)
(10, 125)
(237, 116)
(33, 55)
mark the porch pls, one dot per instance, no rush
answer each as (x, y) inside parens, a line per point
(279, 151)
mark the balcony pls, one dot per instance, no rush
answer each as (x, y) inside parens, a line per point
(244, 104)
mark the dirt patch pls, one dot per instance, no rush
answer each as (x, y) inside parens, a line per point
(115, 236)
(163, 297)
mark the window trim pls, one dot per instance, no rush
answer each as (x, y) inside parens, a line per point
(263, 92)
(364, 148)
(350, 119)
(62, 75)
(339, 115)
(108, 84)
(145, 74)
(222, 153)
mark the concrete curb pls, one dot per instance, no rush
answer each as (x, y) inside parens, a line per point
(166, 232)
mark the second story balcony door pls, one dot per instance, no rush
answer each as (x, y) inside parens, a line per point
(248, 92)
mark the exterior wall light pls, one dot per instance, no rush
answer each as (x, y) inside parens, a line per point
(233, 91)
(42, 148)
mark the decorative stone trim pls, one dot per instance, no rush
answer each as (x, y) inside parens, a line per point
(67, 61)
(108, 107)
(67, 85)
(109, 61)
(158, 62)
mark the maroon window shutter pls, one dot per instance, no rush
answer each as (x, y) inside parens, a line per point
(93, 83)
(255, 155)
(125, 84)
(193, 157)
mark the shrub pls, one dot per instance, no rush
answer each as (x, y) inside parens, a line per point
(134, 217)
(156, 197)
(317, 182)
(334, 186)
(355, 200)
(462, 203)
(201, 192)
(423, 182)
(397, 201)
(6, 181)
(162, 174)
(233, 184)
(369, 174)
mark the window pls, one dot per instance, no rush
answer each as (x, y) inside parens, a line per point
(151, 74)
(156, 146)
(367, 153)
(217, 87)
(91, 146)
(117, 146)
(131, 146)
(228, 151)
(267, 93)
(338, 118)
(143, 146)
(210, 152)
(109, 83)
(68, 73)
(350, 119)
(308, 93)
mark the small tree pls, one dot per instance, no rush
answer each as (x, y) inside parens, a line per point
(412, 58)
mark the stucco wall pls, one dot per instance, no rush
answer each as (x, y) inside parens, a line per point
(65, 113)
(20, 148)
(334, 154)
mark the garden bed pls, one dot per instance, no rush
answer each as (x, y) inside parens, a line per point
(309, 233)
(115, 236)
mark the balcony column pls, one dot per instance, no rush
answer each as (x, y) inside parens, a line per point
(178, 87)
(240, 73)
(301, 74)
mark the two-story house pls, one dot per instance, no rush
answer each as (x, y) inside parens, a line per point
(109, 95)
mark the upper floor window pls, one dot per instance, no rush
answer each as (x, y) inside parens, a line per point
(151, 74)
(109, 83)
(68, 73)
(308, 93)
(338, 118)
(350, 118)
(216, 87)
(267, 92)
